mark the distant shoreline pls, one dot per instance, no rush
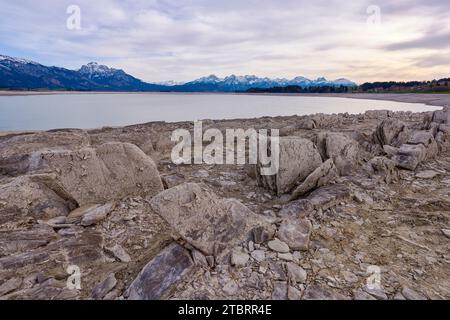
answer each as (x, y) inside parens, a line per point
(432, 99)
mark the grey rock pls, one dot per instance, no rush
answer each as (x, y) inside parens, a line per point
(280, 289)
(199, 259)
(285, 256)
(119, 252)
(111, 171)
(296, 209)
(96, 214)
(391, 132)
(321, 176)
(427, 174)
(161, 274)
(258, 255)
(230, 288)
(383, 167)
(263, 234)
(296, 233)
(204, 220)
(446, 232)
(103, 288)
(410, 294)
(329, 196)
(239, 258)
(278, 246)
(442, 116)
(16, 241)
(298, 158)
(173, 180)
(294, 293)
(296, 273)
(410, 155)
(10, 285)
(344, 152)
(378, 293)
(318, 292)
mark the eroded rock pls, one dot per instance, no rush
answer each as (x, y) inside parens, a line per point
(158, 278)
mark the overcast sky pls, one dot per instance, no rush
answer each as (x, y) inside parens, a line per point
(158, 40)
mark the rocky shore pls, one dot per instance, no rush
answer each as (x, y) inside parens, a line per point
(357, 198)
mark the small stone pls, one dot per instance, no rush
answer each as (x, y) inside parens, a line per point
(294, 293)
(279, 292)
(251, 246)
(285, 256)
(410, 294)
(261, 234)
(350, 277)
(199, 259)
(104, 287)
(119, 252)
(96, 214)
(378, 293)
(278, 246)
(296, 273)
(258, 255)
(295, 233)
(239, 258)
(427, 174)
(231, 288)
(446, 232)
(57, 220)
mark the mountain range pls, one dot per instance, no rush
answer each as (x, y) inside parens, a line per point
(21, 74)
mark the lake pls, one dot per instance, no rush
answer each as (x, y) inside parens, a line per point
(43, 112)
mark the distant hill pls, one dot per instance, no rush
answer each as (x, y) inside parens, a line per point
(24, 74)
(21, 74)
(434, 86)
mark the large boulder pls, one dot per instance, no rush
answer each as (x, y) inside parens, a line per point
(32, 197)
(298, 158)
(108, 172)
(19, 154)
(391, 132)
(410, 155)
(343, 150)
(442, 116)
(158, 278)
(323, 175)
(207, 222)
(426, 138)
(383, 168)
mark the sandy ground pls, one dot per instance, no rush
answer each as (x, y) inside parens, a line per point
(428, 99)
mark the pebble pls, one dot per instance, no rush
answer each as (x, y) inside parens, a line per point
(285, 256)
(258, 255)
(410, 294)
(239, 258)
(278, 246)
(231, 288)
(296, 273)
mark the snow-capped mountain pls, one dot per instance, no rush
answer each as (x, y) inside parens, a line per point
(243, 83)
(25, 74)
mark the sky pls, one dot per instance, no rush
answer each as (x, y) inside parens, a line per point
(160, 40)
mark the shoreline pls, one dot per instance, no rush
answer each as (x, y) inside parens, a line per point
(432, 99)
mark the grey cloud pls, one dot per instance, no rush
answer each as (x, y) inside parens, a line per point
(438, 41)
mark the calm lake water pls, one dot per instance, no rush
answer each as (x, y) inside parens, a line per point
(43, 112)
